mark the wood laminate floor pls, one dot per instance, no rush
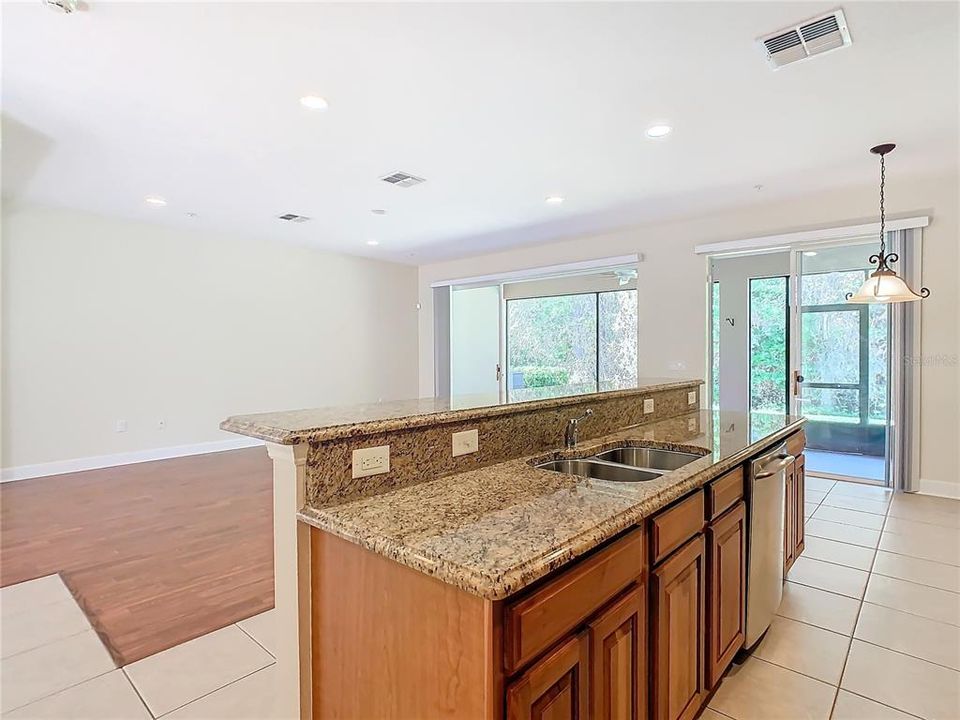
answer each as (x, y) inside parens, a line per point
(155, 553)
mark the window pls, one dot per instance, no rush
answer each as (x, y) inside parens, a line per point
(843, 352)
(570, 344)
(715, 336)
(768, 345)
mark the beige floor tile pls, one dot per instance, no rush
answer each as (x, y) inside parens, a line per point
(189, 671)
(45, 670)
(838, 553)
(934, 534)
(262, 628)
(842, 533)
(814, 496)
(935, 511)
(249, 698)
(923, 572)
(32, 593)
(758, 690)
(709, 714)
(41, 625)
(812, 482)
(922, 600)
(805, 649)
(877, 507)
(809, 508)
(849, 517)
(853, 707)
(107, 697)
(910, 634)
(819, 607)
(903, 682)
(868, 492)
(827, 576)
(920, 547)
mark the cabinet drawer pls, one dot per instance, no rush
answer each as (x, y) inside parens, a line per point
(535, 622)
(724, 492)
(796, 443)
(676, 525)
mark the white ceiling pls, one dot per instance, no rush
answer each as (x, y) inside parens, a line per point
(497, 105)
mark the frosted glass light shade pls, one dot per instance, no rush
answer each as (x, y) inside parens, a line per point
(883, 286)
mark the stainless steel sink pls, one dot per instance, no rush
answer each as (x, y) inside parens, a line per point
(649, 458)
(599, 470)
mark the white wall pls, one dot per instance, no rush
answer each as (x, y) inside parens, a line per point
(673, 301)
(106, 319)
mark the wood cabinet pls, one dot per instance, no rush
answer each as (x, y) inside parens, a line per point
(727, 590)
(794, 492)
(642, 628)
(799, 493)
(618, 654)
(556, 687)
(678, 628)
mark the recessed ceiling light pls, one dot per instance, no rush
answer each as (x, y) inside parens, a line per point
(658, 131)
(373, 242)
(313, 102)
(155, 200)
(378, 211)
(810, 253)
(554, 200)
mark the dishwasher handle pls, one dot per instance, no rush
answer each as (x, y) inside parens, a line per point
(775, 466)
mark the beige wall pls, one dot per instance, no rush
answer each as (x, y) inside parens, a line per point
(105, 320)
(672, 289)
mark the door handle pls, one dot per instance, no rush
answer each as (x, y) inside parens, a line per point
(771, 469)
(797, 380)
(499, 372)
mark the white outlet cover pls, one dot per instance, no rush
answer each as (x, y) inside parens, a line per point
(466, 442)
(691, 424)
(648, 406)
(371, 461)
(692, 397)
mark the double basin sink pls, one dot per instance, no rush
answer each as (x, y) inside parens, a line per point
(628, 464)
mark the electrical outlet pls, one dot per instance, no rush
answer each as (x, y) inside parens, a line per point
(121, 426)
(466, 442)
(648, 406)
(692, 424)
(692, 397)
(371, 461)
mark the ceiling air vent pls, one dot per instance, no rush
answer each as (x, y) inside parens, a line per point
(811, 37)
(402, 179)
(293, 217)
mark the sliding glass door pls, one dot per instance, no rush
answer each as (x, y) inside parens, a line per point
(841, 368)
(569, 344)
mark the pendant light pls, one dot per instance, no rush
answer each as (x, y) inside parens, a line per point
(884, 285)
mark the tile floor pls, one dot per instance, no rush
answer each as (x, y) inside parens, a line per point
(869, 627)
(55, 667)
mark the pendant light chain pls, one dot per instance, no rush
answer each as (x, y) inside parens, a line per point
(883, 216)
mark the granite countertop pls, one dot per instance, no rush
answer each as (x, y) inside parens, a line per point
(326, 423)
(495, 530)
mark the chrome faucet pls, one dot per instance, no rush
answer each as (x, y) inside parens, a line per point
(571, 435)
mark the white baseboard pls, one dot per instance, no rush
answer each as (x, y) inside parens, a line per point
(940, 488)
(23, 472)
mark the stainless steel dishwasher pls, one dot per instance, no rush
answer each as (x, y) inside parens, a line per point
(765, 510)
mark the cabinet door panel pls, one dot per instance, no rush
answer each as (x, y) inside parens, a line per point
(618, 649)
(555, 688)
(790, 518)
(799, 491)
(727, 573)
(678, 633)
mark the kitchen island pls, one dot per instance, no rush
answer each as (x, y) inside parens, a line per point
(480, 585)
